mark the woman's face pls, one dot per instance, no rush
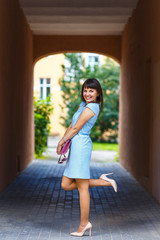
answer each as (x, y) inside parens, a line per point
(90, 94)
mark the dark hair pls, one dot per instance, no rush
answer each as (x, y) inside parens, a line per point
(93, 83)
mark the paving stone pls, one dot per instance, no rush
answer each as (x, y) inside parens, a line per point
(34, 206)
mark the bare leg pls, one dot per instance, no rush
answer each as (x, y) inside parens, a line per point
(84, 198)
(83, 187)
(68, 183)
(98, 183)
(71, 184)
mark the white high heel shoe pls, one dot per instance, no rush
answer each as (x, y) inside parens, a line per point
(113, 182)
(80, 234)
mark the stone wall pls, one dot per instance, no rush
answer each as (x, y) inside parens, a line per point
(140, 96)
(16, 92)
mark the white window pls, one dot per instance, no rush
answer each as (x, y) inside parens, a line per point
(44, 88)
(92, 59)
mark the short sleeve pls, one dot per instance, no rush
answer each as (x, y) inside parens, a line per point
(94, 107)
(82, 104)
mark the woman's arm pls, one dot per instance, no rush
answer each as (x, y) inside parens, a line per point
(68, 129)
(69, 126)
(84, 117)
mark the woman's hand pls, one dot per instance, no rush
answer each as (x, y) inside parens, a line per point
(59, 147)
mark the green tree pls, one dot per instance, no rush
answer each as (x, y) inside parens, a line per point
(108, 76)
(42, 111)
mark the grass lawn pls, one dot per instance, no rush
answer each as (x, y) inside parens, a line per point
(106, 146)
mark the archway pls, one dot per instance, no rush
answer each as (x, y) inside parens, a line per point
(47, 73)
(106, 45)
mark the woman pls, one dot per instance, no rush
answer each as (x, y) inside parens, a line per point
(77, 173)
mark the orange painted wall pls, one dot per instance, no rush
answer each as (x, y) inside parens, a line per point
(140, 96)
(16, 92)
(106, 45)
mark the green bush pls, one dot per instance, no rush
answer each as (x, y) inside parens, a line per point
(42, 111)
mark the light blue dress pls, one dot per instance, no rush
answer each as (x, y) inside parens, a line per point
(78, 163)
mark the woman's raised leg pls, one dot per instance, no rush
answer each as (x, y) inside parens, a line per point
(98, 183)
(71, 184)
(68, 183)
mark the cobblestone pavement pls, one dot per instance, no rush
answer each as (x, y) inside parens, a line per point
(35, 207)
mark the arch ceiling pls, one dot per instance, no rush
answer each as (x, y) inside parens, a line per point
(77, 17)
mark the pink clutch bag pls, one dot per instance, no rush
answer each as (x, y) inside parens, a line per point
(64, 150)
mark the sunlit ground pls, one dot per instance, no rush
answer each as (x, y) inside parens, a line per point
(102, 152)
